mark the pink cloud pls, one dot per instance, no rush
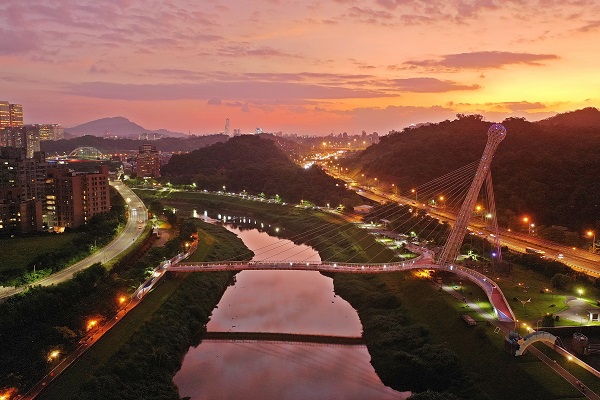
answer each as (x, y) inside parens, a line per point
(17, 42)
(231, 90)
(482, 60)
(429, 85)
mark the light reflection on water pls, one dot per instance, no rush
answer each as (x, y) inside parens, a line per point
(289, 302)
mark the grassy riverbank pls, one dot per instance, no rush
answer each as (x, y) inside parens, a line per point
(138, 358)
(329, 233)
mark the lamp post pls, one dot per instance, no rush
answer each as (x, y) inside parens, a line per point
(592, 234)
(415, 192)
(530, 225)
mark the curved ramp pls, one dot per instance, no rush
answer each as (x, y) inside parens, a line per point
(537, 336)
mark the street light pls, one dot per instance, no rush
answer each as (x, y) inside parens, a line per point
(415, 192)
(91, 324)
(53, 355)
(592, 234)
(530, 225)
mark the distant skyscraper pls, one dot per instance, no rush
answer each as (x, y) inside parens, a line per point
(24, 137)
(4, 114)
(227, 128)
(16, 115)
(10, 114)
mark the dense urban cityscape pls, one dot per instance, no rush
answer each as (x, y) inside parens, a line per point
(337, 200)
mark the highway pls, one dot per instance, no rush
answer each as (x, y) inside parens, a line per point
(129, 234)
(575, 258)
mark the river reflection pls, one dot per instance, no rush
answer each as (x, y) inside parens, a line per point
(287, 302)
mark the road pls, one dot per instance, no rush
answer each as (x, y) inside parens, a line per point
(119, 244)
(577, 259)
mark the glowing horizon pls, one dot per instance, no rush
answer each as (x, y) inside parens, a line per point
(297, 67)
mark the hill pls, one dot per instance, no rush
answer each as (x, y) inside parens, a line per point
(584, 118)
(167, 144)
(546, 171)
(256, 165)
(118, 126)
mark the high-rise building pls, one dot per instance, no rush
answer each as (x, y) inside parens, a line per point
(48, 131)
(21, 136)
(16, 115)
(75, 197)
(10, 114)
(148, 162)
(227, 127)
(4, 114)
(22, 190)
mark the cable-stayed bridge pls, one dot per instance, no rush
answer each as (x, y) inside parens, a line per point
(458, 191)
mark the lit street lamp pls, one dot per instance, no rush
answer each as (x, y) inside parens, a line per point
(530, 226)
(53, 355)
(592, 234)
(415, 192)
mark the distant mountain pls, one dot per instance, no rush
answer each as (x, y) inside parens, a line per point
(119, 126)
(585, 118)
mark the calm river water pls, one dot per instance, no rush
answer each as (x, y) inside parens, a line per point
(287, 302)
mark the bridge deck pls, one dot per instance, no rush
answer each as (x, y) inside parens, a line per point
(425, 261)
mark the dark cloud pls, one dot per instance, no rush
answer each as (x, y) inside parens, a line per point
(482, 60)
(215, 101)
(429, 85)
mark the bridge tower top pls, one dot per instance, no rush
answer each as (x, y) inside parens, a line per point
(496, 133)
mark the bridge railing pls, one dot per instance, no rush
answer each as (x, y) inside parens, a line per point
(245, 264)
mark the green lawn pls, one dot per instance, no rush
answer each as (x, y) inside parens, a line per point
(17, 252)
(524, 285)
(494, 371)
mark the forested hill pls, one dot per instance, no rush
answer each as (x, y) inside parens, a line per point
(549, 170)
(256, 165)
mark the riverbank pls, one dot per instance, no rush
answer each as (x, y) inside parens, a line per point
(139, 356)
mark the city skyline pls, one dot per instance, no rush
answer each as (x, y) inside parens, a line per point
(307, 68)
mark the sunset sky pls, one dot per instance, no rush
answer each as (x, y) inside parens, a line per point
(309, 67)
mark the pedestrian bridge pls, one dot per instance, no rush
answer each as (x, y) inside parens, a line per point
(537, 336)
(424, 261)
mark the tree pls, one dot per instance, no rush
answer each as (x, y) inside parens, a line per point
(560, 281)
(548, 320)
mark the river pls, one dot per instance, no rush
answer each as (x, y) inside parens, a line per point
(299, 302)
